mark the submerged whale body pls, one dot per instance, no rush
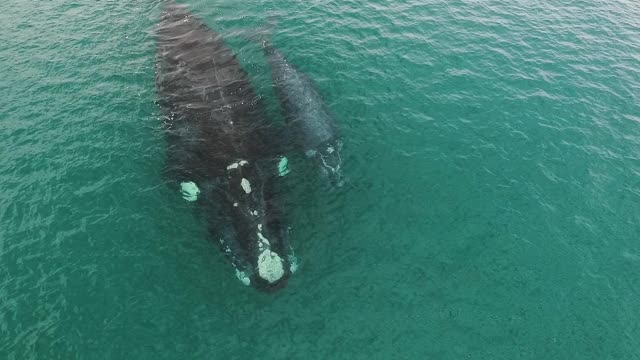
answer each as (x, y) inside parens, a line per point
(221, 148)
(310, 120)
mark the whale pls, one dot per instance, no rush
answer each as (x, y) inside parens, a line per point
(222, 151)
(312, 125)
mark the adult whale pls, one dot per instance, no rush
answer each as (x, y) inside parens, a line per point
(311, 122)
(220, 147)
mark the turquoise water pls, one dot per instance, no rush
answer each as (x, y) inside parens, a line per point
(493, 152)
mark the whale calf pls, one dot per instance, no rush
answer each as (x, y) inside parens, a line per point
(311, 122)
(221, 150)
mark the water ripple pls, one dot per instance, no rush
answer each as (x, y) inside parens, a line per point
(492, 210)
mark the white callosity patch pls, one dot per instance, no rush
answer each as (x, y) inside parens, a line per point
(263, 239)
(293, 263)
(330, 149)
(246, 185)
(189, 190)
(270, 266)
(311, 153)
(263, 242)
(283, 166)
(243, 277)
(236, 164)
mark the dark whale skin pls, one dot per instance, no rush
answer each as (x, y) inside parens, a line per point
(312, 125)
(219, 138)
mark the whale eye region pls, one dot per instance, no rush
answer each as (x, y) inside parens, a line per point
(189, 190)
(283, 166)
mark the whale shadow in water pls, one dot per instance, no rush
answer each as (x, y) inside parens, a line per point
(221, 149)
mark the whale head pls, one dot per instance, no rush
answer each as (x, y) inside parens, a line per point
(260, 228)
(328, 158)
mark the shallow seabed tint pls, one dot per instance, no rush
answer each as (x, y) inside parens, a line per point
(493, 208)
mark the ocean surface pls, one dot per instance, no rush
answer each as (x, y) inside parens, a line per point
(492, 209)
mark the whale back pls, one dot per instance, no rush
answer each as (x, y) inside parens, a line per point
(213, 113)
(303, 107)
(311, 122)
(220, 147)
